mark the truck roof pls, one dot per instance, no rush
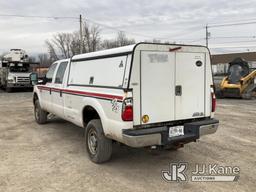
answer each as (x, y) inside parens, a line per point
(121, 50)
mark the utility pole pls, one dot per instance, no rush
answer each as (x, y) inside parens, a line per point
(206, 35)
(81, 33)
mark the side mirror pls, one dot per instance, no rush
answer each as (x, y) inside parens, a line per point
(34, 78)
(44, 80)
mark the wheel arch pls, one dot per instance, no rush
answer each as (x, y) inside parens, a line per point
(35, 98)
(93, 110)
(89, 113)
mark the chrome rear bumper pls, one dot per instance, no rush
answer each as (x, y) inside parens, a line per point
(160, 135)
(208, 129)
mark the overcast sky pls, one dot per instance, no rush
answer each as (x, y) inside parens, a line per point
(182, 21)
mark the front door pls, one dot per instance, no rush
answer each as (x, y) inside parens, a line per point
(46, 90)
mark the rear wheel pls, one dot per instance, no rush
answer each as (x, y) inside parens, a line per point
(8, 89)
(40, 114)
(99, 148)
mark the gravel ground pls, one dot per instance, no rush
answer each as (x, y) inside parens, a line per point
(52, 157)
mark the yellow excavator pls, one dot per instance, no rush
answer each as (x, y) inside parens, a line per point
(240, 81)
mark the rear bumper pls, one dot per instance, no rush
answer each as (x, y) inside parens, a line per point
(160, 135)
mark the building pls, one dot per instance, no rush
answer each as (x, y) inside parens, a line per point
(220, 62)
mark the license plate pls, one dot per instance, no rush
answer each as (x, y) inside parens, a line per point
(176, 131)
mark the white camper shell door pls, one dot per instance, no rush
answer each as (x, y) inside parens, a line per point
(172, 86)
(190, 76)
(157, 85)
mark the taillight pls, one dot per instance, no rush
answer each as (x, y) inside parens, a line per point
(213, 100)
(127, 110)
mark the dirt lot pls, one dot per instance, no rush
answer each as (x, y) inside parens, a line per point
(52, 157)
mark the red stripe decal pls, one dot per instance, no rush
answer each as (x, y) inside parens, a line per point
(100, 95)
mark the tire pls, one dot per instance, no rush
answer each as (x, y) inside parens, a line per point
(8, 89)
(40, 114)
(99, 148)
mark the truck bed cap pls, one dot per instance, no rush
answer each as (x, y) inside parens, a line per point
(119, 50)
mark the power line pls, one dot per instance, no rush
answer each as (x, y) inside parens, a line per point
(121, 30)
(138, 34)
(142, 35)
(180, 34)
(78, 18)
(38, 16)
(231, 24)
(253, 41)
(225, 25)
(228, 46)
(236, 21)
(234, 37)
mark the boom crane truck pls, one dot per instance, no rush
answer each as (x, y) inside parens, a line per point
(15, 70)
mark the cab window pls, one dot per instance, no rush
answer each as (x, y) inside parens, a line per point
(61, 72)
(50, 73)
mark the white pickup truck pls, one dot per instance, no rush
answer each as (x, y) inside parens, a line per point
(140, 95)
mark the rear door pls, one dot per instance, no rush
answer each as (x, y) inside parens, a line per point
(190, 85)
(157, 86)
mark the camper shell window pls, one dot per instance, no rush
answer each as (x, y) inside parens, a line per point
(99, 72)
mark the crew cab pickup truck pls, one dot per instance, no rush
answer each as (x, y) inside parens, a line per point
(143, 95)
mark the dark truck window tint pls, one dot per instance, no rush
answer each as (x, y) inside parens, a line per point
(50, 72)
(19, 67)
(60, 72)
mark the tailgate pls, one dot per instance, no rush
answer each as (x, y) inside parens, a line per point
(172, 86)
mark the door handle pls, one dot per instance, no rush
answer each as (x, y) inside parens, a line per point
(60, 93)
(178, 90)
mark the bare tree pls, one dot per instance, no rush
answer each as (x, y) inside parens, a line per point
(75, 44)
(120, 40)
(95, 38)
(44, 60)
(91, 39)
(51, 50)
(156, 41)
(63, 42)
(60, 46)
(32, 59)
(65, 45)
(109, 43)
